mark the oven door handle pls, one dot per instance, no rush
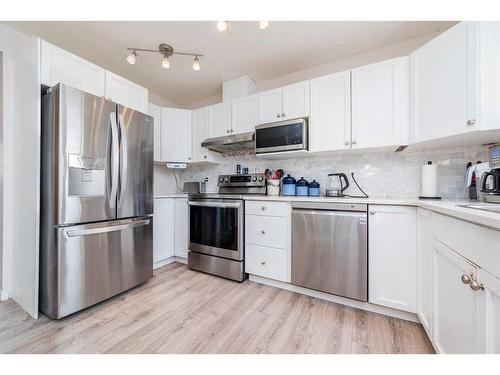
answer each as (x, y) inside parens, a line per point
(215, 204)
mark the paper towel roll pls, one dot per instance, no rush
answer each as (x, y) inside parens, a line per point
(429, 181)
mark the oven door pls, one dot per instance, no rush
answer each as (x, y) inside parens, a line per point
(288, 135)
(216, 227)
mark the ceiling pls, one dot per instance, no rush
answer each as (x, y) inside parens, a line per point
(284, 47)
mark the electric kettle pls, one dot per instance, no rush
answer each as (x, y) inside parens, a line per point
(335, 187)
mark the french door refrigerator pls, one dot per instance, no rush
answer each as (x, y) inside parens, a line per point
(97, 200)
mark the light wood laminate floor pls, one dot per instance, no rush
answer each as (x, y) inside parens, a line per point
(183, 311)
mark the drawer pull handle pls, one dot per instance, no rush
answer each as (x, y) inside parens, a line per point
(263, 263)
(263, 231)
(263, 208)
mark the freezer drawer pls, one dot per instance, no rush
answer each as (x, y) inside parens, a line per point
(329, 252)
(93, 262)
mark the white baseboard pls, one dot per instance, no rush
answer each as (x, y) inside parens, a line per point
(164, 262)
(337, 299)
(3, 296)
(181, 260)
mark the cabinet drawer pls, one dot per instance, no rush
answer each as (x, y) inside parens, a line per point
(266, 231)
(265, 208)
(476, 243)
(266, 262)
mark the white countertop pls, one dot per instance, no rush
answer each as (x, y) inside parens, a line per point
(445, 207)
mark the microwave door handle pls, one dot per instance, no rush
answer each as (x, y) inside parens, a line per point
(115, 161)
(214, 204)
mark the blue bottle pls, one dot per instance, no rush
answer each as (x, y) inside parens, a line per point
(288, 185)
(314, 189)
(302, 187)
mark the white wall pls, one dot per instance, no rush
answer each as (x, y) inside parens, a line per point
(364, 58)
(21, 178)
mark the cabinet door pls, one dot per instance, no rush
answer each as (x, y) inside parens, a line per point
(380, 104)
(181, 227)
(244, 114)
(458, 310)
(424, 269)
(126, 93)
(492, 316)
(269, 106)
(296, 101)
(220, 119)
(444, 84)
(155, 111)
(176, 135)
(392, 257)
(163, 229)
(330, 122)
(60, 66)
(201, 131)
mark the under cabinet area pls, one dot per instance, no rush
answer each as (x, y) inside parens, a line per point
(392, 256)
(267, 239)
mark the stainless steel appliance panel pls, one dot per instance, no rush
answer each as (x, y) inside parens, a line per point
(290, 135)
(135, 192)
(79, 157)
(216, 266)
(330, 252)
(96, 261)
(216, 227)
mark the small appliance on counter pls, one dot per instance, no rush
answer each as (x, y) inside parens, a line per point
(289, 185)
(302, 187)
(490, 180)
(472, 179)
(194, 187)
(313, 189)
(429, 181)
(335, 187)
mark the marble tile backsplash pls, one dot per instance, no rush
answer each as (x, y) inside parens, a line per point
(380, 174)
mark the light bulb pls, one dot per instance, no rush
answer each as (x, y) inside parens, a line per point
(131, 58)
(196, 64)
(222, 26)
(263, 24)
(165, 62)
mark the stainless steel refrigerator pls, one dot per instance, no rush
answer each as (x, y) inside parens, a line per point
(97, 200)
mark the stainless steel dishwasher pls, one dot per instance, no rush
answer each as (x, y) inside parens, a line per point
(330, 248)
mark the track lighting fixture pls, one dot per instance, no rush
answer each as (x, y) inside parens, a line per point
(167, 51)
(263, 24)
(222, 26)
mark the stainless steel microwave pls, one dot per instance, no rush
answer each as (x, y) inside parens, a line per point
(289, 135)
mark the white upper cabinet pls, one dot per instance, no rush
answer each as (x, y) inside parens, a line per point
(155, 112)
(219, 117)
(176, 135)
(269, 106)
(330, 121)
(455, 82)
(244, 114)
(380, 104)
(392, 257)
(296, 101)
(425, 266)
(284, 103)
(459, 311)
(60, 66)
(126, 93)
(201, 131)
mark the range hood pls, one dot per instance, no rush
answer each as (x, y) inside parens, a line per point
(233, 142)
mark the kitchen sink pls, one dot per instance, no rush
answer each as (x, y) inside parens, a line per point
(483, 207)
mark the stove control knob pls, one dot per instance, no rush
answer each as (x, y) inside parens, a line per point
(254, 178)
(261, 178)
(226, 179)
(221, 179)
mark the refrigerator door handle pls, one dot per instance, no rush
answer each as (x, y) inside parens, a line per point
(86, 230)
(123, 157)
(115, 160)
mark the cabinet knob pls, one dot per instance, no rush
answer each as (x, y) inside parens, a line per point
(471, 122)
(465, 279)
(354, 142)
(475, 286)
(263, 231)
(228, 131)
(283, 115)
(232, 130)
(204, 156)
(372, 212)
(278, 115)
(346, 143)
(263, 208)
(189, 157)
(263, 263)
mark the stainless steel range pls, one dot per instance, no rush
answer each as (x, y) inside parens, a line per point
(217, 225)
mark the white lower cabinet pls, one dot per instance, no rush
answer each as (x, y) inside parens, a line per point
(266, 262)
(425, 266)
(459, 310)
(163, 229)
(265, 231)
(392, 257)
(181, 227)
(492, 321)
